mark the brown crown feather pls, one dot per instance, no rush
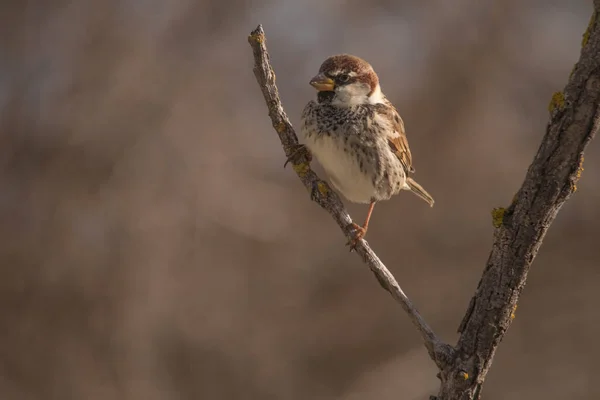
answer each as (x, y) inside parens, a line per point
(348, 63)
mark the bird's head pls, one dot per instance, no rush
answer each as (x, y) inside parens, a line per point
(352, 80)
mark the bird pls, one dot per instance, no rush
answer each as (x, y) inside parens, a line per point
(357, 136)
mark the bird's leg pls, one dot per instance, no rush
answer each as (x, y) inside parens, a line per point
(298, 151)
(361, 231)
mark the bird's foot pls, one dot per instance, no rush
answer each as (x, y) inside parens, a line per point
(359, 233)
(298, 151)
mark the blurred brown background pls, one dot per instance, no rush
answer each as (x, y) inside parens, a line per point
(152, 246)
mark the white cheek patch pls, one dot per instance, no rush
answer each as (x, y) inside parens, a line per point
(377, 96)
(351, 95)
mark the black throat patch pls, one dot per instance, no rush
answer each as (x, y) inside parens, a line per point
(325, 97)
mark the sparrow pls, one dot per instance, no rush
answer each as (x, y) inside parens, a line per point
(357, 136)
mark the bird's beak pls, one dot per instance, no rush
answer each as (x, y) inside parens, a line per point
(322, 83)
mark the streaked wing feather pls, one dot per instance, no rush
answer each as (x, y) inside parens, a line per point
(398, 143)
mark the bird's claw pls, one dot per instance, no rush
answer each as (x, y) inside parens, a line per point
(298, 151)
(359, 233)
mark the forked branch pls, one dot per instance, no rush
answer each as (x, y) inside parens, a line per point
(520, 228)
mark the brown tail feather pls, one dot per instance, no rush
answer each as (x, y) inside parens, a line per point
(417, 189)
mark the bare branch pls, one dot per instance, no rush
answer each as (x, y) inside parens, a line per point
(520, 229)
(322, 194)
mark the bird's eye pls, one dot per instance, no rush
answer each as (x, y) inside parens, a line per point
(343, 78)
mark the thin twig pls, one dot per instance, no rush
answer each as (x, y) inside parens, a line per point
(322, 194)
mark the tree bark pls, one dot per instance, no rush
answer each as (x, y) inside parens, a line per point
(519, 229)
